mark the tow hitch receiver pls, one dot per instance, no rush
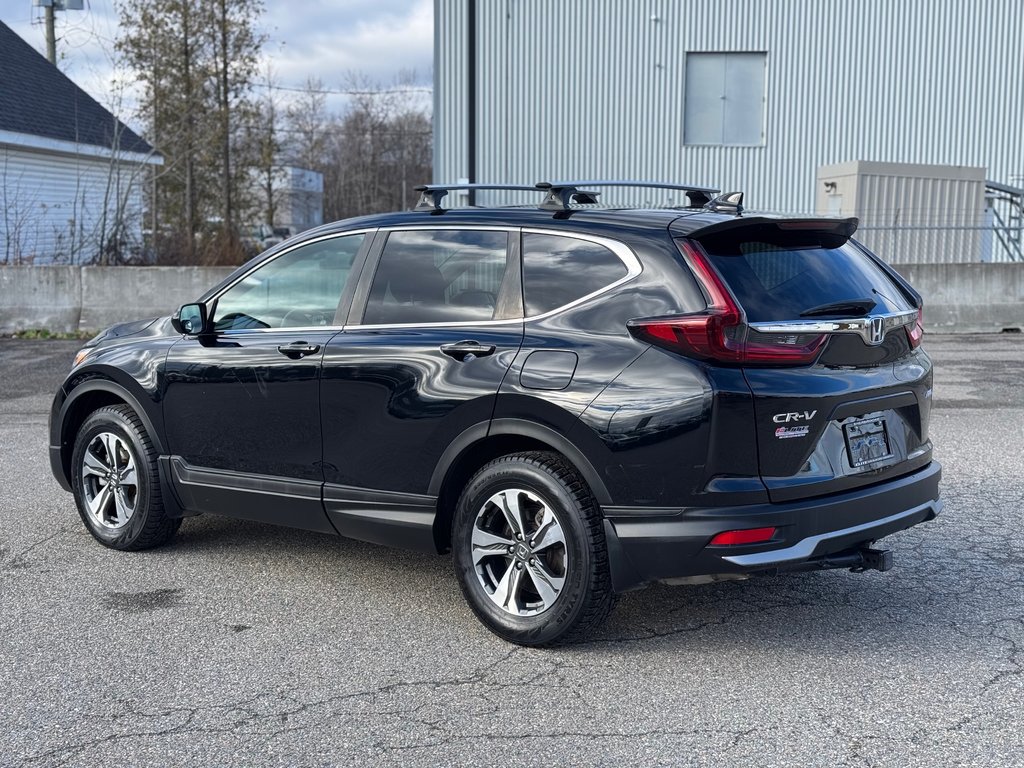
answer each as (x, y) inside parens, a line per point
(873, 560)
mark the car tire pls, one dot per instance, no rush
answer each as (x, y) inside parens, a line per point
(116, 484)
(530, 551)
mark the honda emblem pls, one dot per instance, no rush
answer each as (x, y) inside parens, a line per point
(877, 328)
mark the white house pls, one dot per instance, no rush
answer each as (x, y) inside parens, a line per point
(71, 174)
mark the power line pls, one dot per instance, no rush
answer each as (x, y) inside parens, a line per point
(340, 92)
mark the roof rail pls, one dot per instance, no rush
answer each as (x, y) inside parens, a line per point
(698, 196)
(431, 195)
(559, 195)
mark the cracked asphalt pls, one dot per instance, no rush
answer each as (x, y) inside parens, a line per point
(248, 644)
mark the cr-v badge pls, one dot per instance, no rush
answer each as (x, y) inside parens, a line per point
(783, 418)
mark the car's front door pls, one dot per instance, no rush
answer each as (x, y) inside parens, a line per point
(241, 406)
(431, 336)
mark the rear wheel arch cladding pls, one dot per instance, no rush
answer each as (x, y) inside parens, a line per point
(478, 446)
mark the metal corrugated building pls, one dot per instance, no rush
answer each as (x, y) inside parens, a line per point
(598, 89)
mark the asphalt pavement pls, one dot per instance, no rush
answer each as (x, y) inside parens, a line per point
(247, 644)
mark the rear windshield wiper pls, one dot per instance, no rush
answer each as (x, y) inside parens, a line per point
(847, 307)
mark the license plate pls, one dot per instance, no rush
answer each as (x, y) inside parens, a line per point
(867, 441)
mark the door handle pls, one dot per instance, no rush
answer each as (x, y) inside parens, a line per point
(298, 349)
(461, 350)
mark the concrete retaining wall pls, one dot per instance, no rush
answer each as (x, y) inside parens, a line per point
(64, 299)
(969, 298)
(959, 298)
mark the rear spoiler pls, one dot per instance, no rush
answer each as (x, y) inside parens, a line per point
(840, 229)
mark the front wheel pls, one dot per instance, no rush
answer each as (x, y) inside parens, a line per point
(115, 481)
(530, 551)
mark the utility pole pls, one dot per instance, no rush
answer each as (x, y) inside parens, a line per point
(50, 10)
(51, 38)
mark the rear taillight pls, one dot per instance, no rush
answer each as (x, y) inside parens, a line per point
(916, 331)
(718, 333)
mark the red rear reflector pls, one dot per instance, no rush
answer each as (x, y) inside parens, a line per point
(916, 331)
(747, 536)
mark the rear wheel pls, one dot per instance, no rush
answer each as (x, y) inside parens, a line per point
(115, 481)
(530, 551)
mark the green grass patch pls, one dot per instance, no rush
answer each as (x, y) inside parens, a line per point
(43, 333)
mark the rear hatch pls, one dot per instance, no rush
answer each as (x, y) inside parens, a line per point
(827, 337)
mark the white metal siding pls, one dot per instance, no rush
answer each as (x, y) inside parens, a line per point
(56, 207)
(596, 89)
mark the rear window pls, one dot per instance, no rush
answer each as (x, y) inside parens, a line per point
(786, 281)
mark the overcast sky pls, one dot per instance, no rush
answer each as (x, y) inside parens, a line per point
(320, 39)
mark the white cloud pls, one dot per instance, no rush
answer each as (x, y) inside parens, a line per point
(377, 38)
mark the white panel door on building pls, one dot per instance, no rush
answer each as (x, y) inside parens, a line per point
(725, 98)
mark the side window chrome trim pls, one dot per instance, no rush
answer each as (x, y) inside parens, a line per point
(290, 330)
(449, 227)
(453, 324)
(621, 250)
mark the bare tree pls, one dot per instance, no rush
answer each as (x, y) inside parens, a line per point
(266, 146)
(196, 61)
(307, 124)
(377, 150)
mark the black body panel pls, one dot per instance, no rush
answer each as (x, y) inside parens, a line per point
(392, 401)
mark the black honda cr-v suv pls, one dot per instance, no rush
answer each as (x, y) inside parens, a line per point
(574, 401)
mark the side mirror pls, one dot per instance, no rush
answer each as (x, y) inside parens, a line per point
(190, 319)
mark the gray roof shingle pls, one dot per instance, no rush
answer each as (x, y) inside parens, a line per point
(38, 99)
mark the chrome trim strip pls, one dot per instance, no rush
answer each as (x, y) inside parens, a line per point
(867, 327)
(291, 330)
(805, 547)
(433, 227)
(871, 329)
(453, 324)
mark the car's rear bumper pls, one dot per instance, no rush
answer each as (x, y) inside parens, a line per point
(654, 547)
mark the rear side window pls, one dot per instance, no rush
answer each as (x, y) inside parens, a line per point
(788, 281)
(438, 276)
(559, 270)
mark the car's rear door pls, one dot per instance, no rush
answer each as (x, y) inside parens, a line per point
(855, 410)
(435, 324)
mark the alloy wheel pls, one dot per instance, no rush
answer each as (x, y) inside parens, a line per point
(110, 482)
(519, 552)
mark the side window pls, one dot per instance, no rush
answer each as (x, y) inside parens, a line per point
(438, 276)
(559, 270)
(298, 289)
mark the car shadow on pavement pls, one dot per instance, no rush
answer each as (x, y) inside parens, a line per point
(824, 611)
